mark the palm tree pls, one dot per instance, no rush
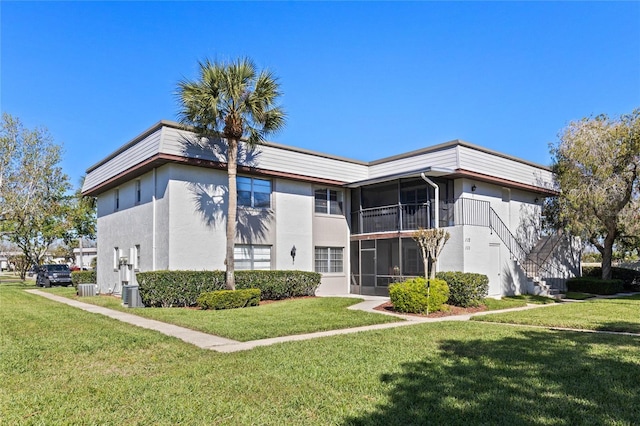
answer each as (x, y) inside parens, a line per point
(234, 102)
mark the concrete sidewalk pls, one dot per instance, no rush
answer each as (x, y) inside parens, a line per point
(198, 338)
(221, 344)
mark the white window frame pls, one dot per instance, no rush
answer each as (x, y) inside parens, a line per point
(327, 193)
(252, 183)
(252, 257)
(136, 257)
(116, 258)
(328, 263)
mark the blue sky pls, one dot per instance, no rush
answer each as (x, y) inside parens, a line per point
(362, 80)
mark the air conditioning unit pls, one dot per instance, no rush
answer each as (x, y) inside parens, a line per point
(86, 290)
(131, 296)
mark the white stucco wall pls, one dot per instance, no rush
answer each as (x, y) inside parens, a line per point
(333, 231)
(475, 249)
(125, 228)
(294, 225)
(197, 222)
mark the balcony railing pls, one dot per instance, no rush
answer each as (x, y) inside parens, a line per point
(410, 217)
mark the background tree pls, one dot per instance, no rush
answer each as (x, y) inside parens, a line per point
(62, 251)
(35, 208)
(82, 220)
(82, 216)
(597, 167)
(235, 102)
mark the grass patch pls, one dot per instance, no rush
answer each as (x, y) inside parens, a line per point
(618, 314)
(281, 318)
(62, 365)
(532, 299)
(575, 295)
(519, 301)
(504, 303)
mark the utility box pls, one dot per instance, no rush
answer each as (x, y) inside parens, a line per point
(131, 296)
(125, 293)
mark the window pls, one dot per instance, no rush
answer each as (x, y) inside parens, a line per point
(252, 257)
(138, 192)
(329, 259)
(116, 258)
(117, 199)
(328, 201)
(254, 192)
(136, 257)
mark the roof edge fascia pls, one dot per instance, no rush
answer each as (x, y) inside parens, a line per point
(175, 125)
(456, 143)
(156, 127)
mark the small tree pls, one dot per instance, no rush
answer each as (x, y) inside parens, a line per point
(431, 242)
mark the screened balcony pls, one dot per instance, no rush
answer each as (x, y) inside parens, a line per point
(410, 217)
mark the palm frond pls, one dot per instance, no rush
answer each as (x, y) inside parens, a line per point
(231, 92)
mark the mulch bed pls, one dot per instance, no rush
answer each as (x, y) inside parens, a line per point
(447, 311)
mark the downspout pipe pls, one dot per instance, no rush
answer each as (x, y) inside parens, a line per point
(153, 220)
(436, 210)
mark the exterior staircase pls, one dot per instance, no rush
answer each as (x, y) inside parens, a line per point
(536, 261)
(533, 263)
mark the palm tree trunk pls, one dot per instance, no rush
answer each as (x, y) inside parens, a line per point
(232, 167)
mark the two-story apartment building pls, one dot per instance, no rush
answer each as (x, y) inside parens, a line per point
(162, 206)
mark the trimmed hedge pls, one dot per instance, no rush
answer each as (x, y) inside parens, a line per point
(630, 278)
(411, 296)
(594, 285)
(182, 288)
(83, 277)
(229, 299)
(276, 285)
(465, 289)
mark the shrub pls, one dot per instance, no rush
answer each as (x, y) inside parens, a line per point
(182, 288)
(465, 289)
(630, 278)
(177, 288)
(229, 299)
(83, 277)
(411, 296)
(594, 285)
(277, 285)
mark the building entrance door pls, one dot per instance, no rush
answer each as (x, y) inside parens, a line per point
(368, 271)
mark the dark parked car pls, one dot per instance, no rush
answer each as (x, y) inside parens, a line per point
(49, 275)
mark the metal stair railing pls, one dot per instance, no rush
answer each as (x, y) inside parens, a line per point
(480, 213)
(502, 231)
(542, 264)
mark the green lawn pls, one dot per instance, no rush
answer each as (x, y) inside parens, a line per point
(275, 319)
(574, 295)
(62, 365)
(516, 302)
(620, 314)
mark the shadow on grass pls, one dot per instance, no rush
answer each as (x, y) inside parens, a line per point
(534, 378)
(620, 326)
